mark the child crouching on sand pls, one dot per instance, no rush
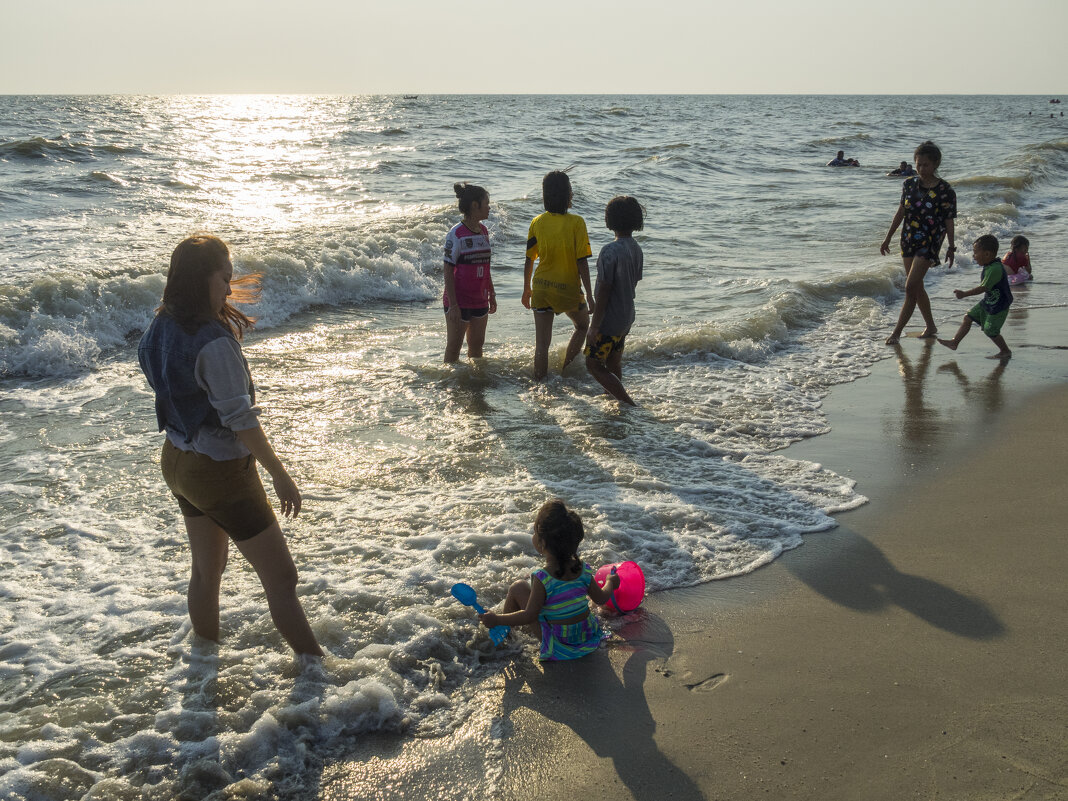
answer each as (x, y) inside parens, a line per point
(992, 310)
(619, 269)
(1017, 262)
(556, 595)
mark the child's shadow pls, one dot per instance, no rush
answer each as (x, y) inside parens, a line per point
(988, 393)
(609, 712)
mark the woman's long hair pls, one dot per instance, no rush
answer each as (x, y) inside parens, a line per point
(186, 297)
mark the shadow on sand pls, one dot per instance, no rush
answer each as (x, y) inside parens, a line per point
(859, 576)
(608, 712)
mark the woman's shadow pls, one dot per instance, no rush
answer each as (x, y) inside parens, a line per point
(609, 712)
(862, 578)
(921, 424)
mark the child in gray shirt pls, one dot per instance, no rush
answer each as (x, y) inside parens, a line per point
(619, 269)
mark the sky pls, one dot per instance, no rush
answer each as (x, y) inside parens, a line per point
(551, 46)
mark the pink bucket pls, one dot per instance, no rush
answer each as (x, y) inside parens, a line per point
(631, 591)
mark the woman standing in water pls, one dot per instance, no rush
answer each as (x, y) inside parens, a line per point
(928, 207)
(205, 401)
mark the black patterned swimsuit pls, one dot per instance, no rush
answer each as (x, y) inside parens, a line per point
(923, 228)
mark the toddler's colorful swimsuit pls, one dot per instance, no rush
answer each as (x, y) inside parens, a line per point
(564, 600)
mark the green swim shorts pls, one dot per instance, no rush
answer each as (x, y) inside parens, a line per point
(990, 323)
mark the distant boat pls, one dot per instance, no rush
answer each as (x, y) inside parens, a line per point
(416, 97)
(1054, 100)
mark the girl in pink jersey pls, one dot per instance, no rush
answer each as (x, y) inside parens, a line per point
(469, 297)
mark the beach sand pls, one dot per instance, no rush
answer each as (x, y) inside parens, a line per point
(917, 651)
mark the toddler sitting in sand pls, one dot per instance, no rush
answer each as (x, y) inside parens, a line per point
(556, 595)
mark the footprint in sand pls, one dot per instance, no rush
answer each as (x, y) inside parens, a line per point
(707, 685)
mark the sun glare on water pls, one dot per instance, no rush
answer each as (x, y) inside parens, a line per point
(258, 158)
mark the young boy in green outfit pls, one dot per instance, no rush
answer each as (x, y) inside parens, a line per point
(992, 310)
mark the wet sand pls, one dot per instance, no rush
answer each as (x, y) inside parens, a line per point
(919, 650)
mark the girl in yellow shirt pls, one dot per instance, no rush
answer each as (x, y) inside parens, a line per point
(561, 246)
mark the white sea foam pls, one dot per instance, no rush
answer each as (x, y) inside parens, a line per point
(763, 288)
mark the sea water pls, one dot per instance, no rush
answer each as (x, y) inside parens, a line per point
(763, 288)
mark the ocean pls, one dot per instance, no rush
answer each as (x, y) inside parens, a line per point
(763, 288)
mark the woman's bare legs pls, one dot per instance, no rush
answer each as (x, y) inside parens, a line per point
(609, 375)
(476, 335)
(269, 555)
(210, 548)
(581, 319)
(455, 328)
(915, 297)
(543, 337)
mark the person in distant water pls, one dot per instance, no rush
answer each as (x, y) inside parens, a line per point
(559, 243)
(469, 297)
(991, 311)
(556, 596)
(852, 162)
(205, 401)
(619, 269)
(928, 208)
(904, 171)
(839, 160)
(1017, 261)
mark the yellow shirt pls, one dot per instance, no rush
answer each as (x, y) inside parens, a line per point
(557, 242)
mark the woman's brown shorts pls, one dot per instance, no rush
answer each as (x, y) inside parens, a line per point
(228, 492)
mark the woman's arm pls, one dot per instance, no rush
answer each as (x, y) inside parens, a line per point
(285, 487)
(604, 292)
(528, 270)
(951, 249)
(221, 372)
(450, 286)
(584, 275)
(898, 217)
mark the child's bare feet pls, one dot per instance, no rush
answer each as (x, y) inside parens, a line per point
(949, 343)
(1005, 354)
(892, 339)
(928, 333)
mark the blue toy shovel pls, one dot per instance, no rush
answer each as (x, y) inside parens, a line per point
(465, 594)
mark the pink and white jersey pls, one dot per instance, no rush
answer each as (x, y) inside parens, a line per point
(469, 254)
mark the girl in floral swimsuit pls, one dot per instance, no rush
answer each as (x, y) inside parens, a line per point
(928, 208)
(556, 596)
